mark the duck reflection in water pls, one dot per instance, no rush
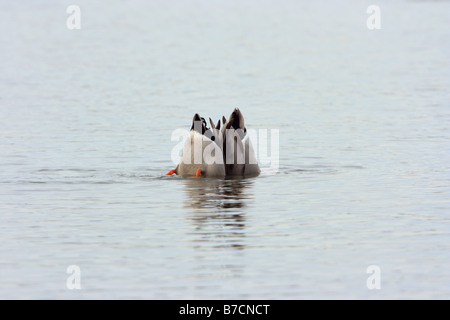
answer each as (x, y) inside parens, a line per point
(218, 209)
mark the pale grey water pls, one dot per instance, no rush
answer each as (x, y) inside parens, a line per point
(86, 123)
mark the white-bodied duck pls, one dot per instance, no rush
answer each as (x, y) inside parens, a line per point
(202, 153)
(239, 155)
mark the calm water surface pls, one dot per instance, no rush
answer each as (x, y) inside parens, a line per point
(86, 122)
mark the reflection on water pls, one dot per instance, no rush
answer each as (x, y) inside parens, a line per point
(217, 194)
(218, 210)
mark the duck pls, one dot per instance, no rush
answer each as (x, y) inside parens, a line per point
(202, 154)
(239, 154)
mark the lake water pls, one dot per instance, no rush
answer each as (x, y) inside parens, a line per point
(364, 150)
